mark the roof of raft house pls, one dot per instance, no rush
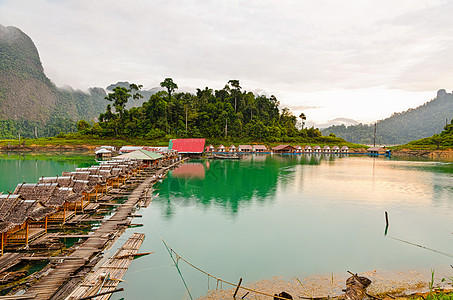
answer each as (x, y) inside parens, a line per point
(259, 147)
(141, 155)
(14, 210)
(187, 145)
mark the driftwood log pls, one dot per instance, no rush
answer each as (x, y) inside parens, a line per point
(356, 287)
(283, 295)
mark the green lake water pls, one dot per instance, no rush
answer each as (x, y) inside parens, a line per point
(17, 168)
(288, 216)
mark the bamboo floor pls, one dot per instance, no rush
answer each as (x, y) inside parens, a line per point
(10, 259)
(48, 287)
(107, 276)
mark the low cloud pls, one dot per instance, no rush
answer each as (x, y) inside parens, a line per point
(283, 47)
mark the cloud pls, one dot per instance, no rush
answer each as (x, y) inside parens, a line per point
(288, 48)
(301, 107)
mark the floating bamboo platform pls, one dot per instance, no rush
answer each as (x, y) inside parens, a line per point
(106, 278)
(9, 260)
(51, 286)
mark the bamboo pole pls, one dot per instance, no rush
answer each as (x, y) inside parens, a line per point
(26, 232)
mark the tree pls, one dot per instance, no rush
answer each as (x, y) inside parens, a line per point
(235, 84)
(170, 86)
(121, 95)
(82, 126)
(437, 140)
(303, 118)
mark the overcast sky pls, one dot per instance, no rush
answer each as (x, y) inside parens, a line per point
(354, 59)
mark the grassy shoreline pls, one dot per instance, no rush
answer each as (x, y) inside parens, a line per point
(72, 142)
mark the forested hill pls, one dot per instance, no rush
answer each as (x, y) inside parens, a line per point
(29, 100)
(413, 124)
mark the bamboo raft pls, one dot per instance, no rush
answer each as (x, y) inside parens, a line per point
(106, 278)
(55, 284)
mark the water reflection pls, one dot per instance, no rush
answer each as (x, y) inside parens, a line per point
(190, 170)
(231, 183)
(16, 167)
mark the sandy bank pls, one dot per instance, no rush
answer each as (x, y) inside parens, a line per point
(383, 283)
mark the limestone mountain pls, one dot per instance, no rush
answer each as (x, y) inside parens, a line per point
(27, 95)
(412, 124)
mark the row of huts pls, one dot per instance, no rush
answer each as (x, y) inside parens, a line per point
(26, 213)
(276, 149)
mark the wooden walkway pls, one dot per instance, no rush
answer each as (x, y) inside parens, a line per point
(49, 286)
(107, 277)
(46, 287)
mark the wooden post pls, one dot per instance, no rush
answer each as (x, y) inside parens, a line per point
(45, 224)
(64, 213)
(237, 288)
(386, 223)
(2, 241)
(26, 232)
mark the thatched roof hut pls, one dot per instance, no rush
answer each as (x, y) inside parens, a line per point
(36, 191)
(81, 186)
(15, 210)
(60, 180)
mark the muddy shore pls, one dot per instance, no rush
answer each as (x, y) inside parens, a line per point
(385, 285)
(433, 154)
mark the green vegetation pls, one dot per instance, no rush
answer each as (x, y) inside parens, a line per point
(441, 141)
(30, 104)
(221, 116)
(421, 122)
(10, 129)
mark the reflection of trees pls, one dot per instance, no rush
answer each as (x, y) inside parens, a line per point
(229, 183)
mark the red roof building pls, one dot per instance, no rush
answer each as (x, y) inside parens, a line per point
(189, 146)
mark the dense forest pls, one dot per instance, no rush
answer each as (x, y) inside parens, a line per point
(444, 139)
(228, 113)
(400, 128)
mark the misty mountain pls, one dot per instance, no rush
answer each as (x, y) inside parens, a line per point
(336, 121)
(412, 124)
(28, 98)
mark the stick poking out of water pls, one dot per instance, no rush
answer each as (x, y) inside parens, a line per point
(386, 223)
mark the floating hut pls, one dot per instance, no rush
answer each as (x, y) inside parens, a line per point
(145, 157)
(308, 149)
(221, 148)
(49, 195)
(187, 146)
(376, 150)
(245, 148)
(127, 149)
(103, 153)
(299, 149)
(21, 221)
(326, 149)
(284, 149)
(335, 149)
(210, 148)
(259, 148)
(344, 149)
(317, 149)
(232, 148)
